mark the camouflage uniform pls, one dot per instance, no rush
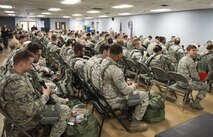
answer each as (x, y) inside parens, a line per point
(55, 48)
(135, 55)
(77, 64)
(9, 62)
(66, 53)
(35, 78)
(162, 61)
(23, 103)
(203, 62)
(150, 48)
(114, 88)
(187, 68)
(152, 45)
(175, 53)
(91, 65)
(125, 52)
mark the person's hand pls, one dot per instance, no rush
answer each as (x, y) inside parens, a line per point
(136, 85)
(46, 91)
(129, 82)
(66, 100)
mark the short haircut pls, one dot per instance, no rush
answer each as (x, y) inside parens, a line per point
(110, 41)
(33, 47)
(191, 47)
(22, 55)
(115, 49)
(70, 41)
(103, 47)
(157, 48)
(125, 36)
(177, 41)
(209, 46)
(107, 35)
(78, 47)
(135, 41)
(21, 37)
(54, 37)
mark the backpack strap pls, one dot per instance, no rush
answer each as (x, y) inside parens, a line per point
(149, 61)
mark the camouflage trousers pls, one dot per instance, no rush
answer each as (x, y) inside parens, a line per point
(201, 87)
(139, 109)
(59, 127)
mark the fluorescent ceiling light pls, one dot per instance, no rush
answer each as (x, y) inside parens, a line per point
(66, 16)
(40, 16)
(76, 15)
(70, 1)
(212, 4)
(123, 14)
(6, 7)
(54, 9)
(103, 16)
(11, 14)
(122, 6)
(46, 13)
(9, 11)
(160, 10)
(93, 11)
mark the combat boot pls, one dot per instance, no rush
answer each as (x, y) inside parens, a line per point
(196, 104)
(137, 126)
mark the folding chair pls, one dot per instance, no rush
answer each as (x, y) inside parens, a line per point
(130, 69)
(174, 87)
(160, 79)
(210, 79)
(103, 108)
(144, 76)
(11, 128)
(82, 86)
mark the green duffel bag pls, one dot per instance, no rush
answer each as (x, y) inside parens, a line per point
(89, 128)
(155, 112)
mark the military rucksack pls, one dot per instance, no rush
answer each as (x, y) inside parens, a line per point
(88, 128)
(155, 112)
(4, 80)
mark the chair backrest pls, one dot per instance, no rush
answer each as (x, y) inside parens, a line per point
(177, 77)
(144, 69)
(7, 117)
(159, 74)
(131, 65)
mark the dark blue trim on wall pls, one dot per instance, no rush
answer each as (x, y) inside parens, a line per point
(9, 21)
(46, 24)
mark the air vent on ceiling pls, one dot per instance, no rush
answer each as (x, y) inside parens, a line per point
(97, 8)
(41, 9)
(164, 5)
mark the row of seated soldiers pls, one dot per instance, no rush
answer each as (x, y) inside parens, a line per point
(105, 74)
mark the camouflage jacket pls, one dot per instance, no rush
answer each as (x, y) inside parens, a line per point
(113, 87)
(187, 68)
(22, 102)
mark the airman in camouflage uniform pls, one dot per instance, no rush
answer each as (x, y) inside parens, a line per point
(91, 64)
(66, 51)
(203, 60)
(23, 103)
(114, 88)
(187, 68)
(135, 54)
(77, 62)
(160, 60)
(175, 52)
